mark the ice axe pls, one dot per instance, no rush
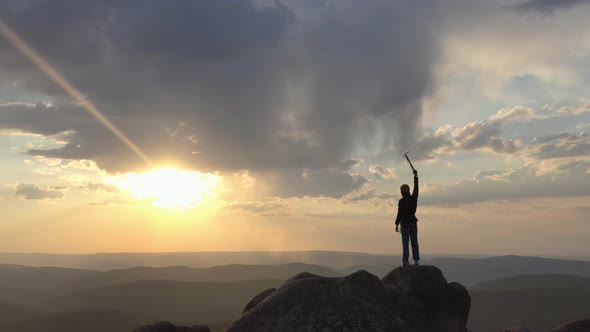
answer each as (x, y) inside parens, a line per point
(408, 159)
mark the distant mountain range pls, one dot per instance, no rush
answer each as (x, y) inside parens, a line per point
(535, 281)
(473, 271)
(222, 273)
(38, 278)
(80, 321)
(64, 300)
(510, 290)
(111, 261)
(180, 301)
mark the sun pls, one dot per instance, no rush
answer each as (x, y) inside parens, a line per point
(171, 188)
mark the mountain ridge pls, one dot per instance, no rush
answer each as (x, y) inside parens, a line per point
(221, 273)
(534, 281)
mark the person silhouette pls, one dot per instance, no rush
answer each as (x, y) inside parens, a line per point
(406, 217)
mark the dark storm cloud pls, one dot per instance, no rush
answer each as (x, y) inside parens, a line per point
(288, 93)
(40, 118)
(330, 182)
(547, 6)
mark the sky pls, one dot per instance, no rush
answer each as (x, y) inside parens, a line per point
(224, 125)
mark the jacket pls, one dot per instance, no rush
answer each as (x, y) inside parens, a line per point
(406, 208)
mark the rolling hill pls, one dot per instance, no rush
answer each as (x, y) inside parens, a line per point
(190, 302)
(110, 261)
(223, 273)
(506, 291)
(11, 313)
(80, 321)
(38, 278)
(539, 302)
(23, 296)
(473, 271)
(540, 281)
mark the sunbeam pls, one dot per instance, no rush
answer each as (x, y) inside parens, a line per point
(56, 77)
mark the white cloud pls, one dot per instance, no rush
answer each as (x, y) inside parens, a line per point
(526, 114)
(481, 135)
(579, 107)
(381, 173)
(486, 135)
(517, 113)
(563, 145)
(555, 178)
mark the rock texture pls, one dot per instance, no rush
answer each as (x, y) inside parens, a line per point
(169, 327)
(446, 305)
(576, 326)
(414, 299)
(516, 329)
(258, 298)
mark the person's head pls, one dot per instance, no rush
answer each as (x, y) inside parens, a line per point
(404, 189)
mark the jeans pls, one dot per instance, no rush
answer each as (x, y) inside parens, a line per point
(410, 234)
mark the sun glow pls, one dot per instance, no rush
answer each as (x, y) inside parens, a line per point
(170, 188)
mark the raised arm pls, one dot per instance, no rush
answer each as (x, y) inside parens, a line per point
(416, 190)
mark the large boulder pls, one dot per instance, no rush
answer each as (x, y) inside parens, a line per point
(359, 302)
(169, 327)
(575, 326)
(258, 298)
(446, 305)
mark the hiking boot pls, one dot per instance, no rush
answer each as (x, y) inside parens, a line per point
(406, 264)
(416, 263)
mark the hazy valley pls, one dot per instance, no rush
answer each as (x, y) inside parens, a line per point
(505, 291)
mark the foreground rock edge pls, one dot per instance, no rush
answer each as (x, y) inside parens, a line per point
(412, 299)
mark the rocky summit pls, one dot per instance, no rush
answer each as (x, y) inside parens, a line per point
(412, 299)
